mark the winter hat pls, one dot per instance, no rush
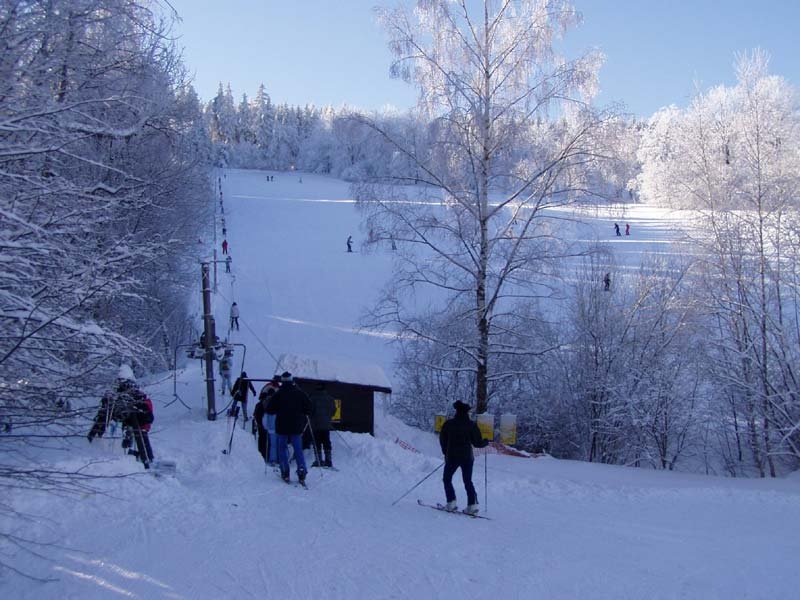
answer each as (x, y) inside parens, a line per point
(125, 372)
(461, 406)
(286, 376)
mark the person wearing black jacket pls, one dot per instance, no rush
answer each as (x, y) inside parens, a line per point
(239, 392)
(258, 421)
(457, 438)
(323, 407)
(291, 408)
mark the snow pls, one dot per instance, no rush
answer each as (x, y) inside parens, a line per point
(225, 528)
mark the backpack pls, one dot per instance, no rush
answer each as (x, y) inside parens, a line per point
(144, 409)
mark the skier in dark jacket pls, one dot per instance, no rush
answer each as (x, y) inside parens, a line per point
(239, 392)
(457, 438)
(291, 408)
(323, 408)
(258, 420)
(130, 406)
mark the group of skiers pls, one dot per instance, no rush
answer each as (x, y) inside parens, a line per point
(627, 229)
(129, 406)
(285, 416)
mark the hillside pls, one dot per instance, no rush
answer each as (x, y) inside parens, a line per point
(225, 528)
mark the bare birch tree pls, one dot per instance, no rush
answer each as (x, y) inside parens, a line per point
(509, 131)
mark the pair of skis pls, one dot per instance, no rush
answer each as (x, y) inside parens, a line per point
(443, 508)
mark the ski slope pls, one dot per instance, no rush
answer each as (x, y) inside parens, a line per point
(223, 528)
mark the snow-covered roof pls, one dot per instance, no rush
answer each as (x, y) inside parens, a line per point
(330, 369)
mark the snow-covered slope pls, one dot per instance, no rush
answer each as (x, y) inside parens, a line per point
(223, 528)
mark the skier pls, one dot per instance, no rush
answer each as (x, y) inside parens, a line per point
(456, 439)
(607, 282)
(322, 410)
(228, 264)
(131, 407)
(349, 243)
(225, 245)
(291, 407)
(235, 316)
(264, 424)
(259, 427)
(225, 369)
(224, 231)
(239, 392)
(616, 229)
(627, 228)
(268, 421)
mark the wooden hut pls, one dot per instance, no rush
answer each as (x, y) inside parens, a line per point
(353, 385)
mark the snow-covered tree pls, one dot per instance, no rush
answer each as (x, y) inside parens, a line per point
(734, 155)
(101, 188)
(488, 80)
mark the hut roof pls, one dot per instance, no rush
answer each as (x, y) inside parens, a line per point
(329, 369)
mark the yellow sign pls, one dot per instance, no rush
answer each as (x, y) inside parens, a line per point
(486, 425)
(337, 416)
(508, 429)
(438, 421)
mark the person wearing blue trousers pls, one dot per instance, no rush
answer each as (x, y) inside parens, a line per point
(272, 456)
(291, 408)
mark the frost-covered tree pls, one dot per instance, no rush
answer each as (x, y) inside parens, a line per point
(632, 372)
(509, 135)
(102, 181)
(734, 155)
(262, 118)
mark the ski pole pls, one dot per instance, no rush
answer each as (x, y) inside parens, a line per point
(418, 484)
(233, 429)
(313, 441)
(485, 483)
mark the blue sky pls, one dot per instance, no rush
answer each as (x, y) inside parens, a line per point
(333, 52)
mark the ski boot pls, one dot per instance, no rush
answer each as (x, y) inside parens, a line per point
(451, 506)
(472, 509)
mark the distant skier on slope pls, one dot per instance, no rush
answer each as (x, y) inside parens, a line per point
(349, 243)
(616, 229)
(291, 406)
(456, 439)
(234, 316)
(225, 370)
(225, 246)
